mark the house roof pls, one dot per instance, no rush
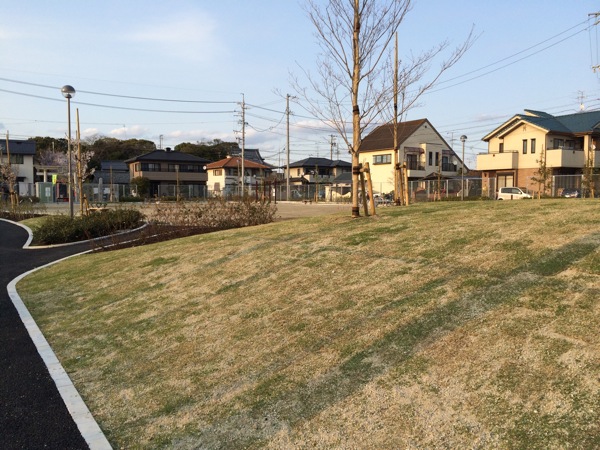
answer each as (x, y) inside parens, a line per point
(320, 162)
(18, 147)
(343, 178)
(577, 123)
(168, 156)
(250, 154)
(235, 161)
(118, 166)
(382, 137)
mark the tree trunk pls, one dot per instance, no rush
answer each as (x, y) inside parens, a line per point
(355, 110)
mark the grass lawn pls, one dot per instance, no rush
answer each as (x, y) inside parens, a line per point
(446, 325)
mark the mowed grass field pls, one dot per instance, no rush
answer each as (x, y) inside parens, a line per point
(446, 325)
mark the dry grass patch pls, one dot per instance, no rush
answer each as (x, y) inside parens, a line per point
(440, 325)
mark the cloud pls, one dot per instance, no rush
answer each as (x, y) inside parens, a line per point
(132, 132)
(191, 37)
(198, 135)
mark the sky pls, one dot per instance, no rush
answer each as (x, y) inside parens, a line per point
(181, 69)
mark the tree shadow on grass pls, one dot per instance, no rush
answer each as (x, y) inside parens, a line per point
(274, 405)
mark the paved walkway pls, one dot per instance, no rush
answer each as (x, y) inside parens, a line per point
(32, 413)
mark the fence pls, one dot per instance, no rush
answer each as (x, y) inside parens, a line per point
(419, 191)
(558, 183)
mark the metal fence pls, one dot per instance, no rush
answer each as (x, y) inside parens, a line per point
(419, 191)
(558, 184)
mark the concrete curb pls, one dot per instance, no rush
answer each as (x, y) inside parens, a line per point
(87, 425)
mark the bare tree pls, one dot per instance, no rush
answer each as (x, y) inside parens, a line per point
(353, 78)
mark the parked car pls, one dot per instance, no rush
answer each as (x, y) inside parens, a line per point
(513, 193)
(570, 193)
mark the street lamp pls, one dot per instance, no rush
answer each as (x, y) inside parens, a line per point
(463, 138)
(68, 92)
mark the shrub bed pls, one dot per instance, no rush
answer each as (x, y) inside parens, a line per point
(61, 229)
(215, 214)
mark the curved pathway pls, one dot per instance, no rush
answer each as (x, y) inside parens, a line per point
(32, 411)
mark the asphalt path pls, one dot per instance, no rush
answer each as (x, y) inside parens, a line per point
(32, 412)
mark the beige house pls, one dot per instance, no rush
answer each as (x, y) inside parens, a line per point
(226, 175)
(516, 147)
(420, 146)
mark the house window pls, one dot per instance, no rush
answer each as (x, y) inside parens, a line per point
(532, 146)
(16, 159)
(151, 167)
(559, 143)
(382, 159)
(430, 158)
(437, 158)
(217, 173)
(524, 146)
(501, 147)
(299, 172)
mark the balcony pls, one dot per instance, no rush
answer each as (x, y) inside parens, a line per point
(562, 157)
(498, 161)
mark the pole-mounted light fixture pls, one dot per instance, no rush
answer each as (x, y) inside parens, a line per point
(463, 138)
(68, 92)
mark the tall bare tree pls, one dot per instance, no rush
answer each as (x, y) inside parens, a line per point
(354, 79)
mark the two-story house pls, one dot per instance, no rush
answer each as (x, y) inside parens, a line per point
(168, 168)
(516, 148)
(316, 170)
(225, 175)
(21, 160)
(420, 146)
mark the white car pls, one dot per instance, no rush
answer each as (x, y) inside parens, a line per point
(513, 193)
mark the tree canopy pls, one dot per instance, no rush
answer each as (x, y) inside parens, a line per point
(212, 150)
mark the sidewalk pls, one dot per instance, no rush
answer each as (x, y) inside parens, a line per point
(32, 412)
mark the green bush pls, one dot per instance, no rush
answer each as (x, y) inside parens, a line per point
(61, 229)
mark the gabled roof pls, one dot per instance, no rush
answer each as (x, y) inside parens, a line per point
(168, 156)
(118, 166)
(382, 137)
(312, 162)
(18, 147)
(250, 154)
(234, 161)
(577, 123)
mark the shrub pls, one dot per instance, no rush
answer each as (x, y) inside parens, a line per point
(61, 229)
(23, 210)
(216, 214)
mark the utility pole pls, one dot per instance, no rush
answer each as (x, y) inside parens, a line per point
(332, 144)
(287, 147)
(596, 14)
(243, 104)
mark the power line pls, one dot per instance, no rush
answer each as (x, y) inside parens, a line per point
(121, 96)
(126, 108)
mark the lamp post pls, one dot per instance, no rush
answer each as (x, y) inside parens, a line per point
(68, 92)
(463, 138)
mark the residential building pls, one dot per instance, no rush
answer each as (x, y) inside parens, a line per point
(167, 168)
(420, 146)
(21, 160)
(516, 148)
(316, 170)
(225, 175)
(112, 172)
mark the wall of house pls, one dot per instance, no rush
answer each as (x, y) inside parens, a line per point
(381, 166)
(513, 143)
(425, 138)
